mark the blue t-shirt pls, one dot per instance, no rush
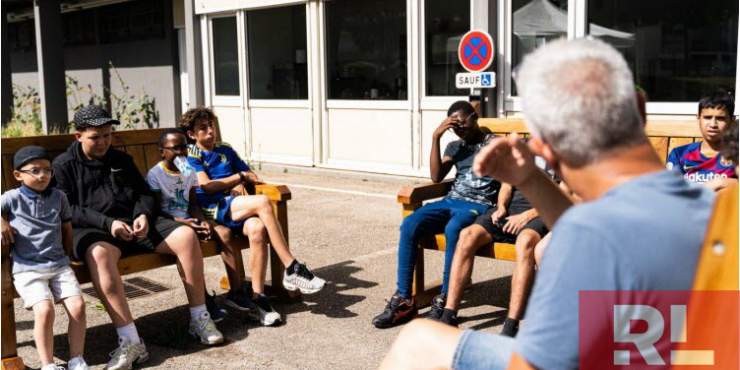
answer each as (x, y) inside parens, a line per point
(221, 163)
(642, 235)
(695, 166)
(38, 218)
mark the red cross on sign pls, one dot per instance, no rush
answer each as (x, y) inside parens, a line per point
(476, 51)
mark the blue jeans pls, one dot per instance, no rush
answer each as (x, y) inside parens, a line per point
(476, 350)
(449, 216)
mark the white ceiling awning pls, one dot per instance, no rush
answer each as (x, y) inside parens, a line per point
(542, 18)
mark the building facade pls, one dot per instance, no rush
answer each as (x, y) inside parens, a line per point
(362, 84)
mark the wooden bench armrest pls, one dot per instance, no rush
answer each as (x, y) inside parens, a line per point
(418, 193)
(277, 193)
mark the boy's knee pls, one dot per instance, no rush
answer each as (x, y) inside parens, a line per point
(44, 310)
(409, 225)
(103, 252)
(526, 242)
(255, 231)
(264, 201)
(75, 305)
(468, 241)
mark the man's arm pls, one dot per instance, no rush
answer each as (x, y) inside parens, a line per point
(439, 166)
(502, 204)
(81, 217)
(720, 183)
(511, 160)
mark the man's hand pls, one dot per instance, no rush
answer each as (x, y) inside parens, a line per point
(141, 227)
(447, 124)
(252, 178)
(498, 214)
(122, 231)
(8, 233)
(514, 224)
(238, 190)
(720, 183)
(507, 160)
(201, 228)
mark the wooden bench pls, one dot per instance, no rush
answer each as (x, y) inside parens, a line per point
(664, 135)
(141, 145)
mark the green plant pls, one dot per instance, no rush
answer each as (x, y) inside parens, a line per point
(132, 110)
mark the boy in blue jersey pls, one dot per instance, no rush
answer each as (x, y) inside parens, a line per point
(701, 162)
(220, 171)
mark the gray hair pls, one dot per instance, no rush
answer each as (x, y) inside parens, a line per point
(579, 97)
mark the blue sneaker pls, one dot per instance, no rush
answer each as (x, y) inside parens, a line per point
(241, 298)
(214, 309)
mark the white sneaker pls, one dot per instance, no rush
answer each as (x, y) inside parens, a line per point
(126, 355)
(264, 313)
(301, 278)
(77, 363)
(205, 330)
(52, 367)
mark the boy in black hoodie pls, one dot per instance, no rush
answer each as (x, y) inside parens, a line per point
(114, 213)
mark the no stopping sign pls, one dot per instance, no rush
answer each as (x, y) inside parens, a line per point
(476, 51)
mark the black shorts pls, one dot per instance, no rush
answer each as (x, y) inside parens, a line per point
(496, 231)
(158, 232)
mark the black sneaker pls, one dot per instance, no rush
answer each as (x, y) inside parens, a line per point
(241, 298)
(449, 317)
(214, 309)
(397, 311)
(264, 313)
(438, 307)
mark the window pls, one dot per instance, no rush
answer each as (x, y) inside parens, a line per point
(366, 49)
(278, 66)
(445, 23)
(677, 49)
(131, 21)
(534, 23)
(225, 56)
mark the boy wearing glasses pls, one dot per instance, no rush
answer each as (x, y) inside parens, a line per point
(36, 225)
(469, 197)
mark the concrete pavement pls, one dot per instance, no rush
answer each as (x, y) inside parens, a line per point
(346, 230)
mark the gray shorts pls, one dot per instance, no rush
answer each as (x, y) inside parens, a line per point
(476, 350)
(54, 284)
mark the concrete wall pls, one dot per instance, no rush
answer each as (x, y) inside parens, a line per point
(150, 65)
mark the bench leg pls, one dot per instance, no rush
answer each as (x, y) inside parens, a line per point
(10, 359)
(423, 294)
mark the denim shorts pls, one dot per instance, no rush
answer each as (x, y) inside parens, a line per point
(476, 350)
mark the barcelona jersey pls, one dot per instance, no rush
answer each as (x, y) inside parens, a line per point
(221, 163)
(697, 167)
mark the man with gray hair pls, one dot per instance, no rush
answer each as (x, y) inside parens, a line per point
(634, 235)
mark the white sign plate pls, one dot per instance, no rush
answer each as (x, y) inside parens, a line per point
(480, 80)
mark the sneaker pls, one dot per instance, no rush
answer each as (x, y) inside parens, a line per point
(77, 363)
(301, 278)
(264, 313)
(126, 355)
(205, 330)
(52, 367)
(449, 317)
(214, 309)
(241, 298)
(438, 307)
(398, 311)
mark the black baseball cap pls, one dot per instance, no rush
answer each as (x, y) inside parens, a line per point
(28, 154)
(93, 116)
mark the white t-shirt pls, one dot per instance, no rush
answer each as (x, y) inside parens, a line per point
(174, 187)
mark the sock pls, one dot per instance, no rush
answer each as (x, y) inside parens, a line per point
(291, 268)
(129, 332)
(448, 315)
(196, 312)
(511, 327)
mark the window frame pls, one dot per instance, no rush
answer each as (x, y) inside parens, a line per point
(278, 102)
(430, 100)
(378, 104)
(224, 100)
(577, 28)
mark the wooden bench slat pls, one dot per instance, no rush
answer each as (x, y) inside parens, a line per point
(137, 153)
(660, 144)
